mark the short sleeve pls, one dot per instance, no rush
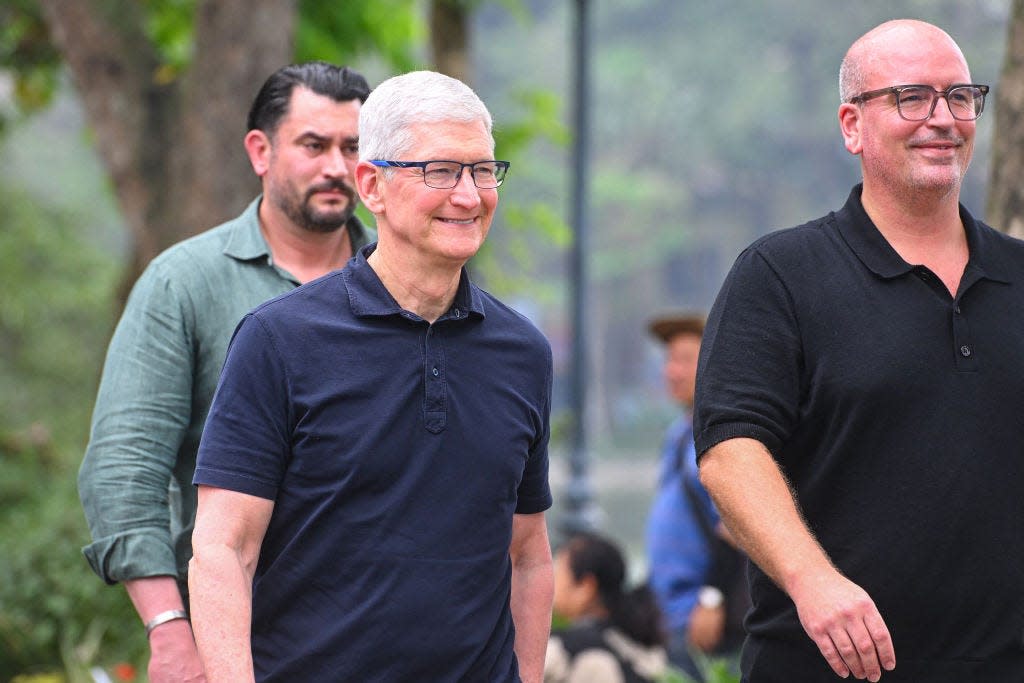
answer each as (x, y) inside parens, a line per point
(748, 377)
(534, 493)
(246, 440)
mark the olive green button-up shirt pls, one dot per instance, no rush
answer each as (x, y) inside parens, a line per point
(160, 374)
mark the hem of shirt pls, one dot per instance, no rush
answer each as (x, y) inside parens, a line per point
(716, 434)
(205, 476)
(533, 506)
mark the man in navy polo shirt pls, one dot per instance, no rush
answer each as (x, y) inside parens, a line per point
(858, 401)
(373, 474)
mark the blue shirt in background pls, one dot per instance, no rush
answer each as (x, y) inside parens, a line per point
(678, 554)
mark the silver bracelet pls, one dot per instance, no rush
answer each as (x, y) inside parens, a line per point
(164, 617)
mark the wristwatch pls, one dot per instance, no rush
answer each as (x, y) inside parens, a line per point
(710, 597)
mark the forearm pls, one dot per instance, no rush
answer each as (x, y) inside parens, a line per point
(532, 594)
(173, 654)
(154, 595)
(226, 547)
(759, 509)
(221, 596)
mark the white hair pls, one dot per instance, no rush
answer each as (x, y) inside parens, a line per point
(416, 97)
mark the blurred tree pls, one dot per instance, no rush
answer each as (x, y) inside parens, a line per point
(449, 37)
(168, 128)
(1005, 209)
(54, 319)
(166, 85)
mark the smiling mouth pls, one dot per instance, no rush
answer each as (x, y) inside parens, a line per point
(941, 144)
(458, 221)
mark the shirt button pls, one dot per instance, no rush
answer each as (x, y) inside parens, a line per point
(956, 310)
(965, 350)
(436, 373)
(456, 312)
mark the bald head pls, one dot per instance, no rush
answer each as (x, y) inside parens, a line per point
(900, 39)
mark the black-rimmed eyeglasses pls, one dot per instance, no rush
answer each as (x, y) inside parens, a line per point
(444, 175)
(917, 102)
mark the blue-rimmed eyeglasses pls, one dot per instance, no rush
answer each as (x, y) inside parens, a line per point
(444, 175)
(917, 102)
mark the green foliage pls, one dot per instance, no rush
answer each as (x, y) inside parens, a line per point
(531, 119)
(168, 25)
(339, 31)
(55, 317)
(713, 670)
(26, 50)
(54, 610)
(332, 31)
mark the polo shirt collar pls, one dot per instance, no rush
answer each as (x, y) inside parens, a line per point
(864, 239)
(368, 297)
(245, 240)
(987, 253)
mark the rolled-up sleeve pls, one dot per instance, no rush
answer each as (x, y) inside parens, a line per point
(141, 417)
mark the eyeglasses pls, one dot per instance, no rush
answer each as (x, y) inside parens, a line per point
(917, 102)
(444, 175)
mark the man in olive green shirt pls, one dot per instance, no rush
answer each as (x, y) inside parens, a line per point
(166, 353)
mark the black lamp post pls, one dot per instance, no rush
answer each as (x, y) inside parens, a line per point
(580, 512)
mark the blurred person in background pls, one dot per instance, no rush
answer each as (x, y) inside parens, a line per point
(614, 634)
(858, 400)
(162, 365)
(695, 572)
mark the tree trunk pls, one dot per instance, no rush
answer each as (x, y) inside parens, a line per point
(172, 143)
(449, 39)
(1005, 209)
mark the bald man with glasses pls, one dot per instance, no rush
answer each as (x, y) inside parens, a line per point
(857, 415)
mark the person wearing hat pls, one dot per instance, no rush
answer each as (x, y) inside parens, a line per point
(690, 565)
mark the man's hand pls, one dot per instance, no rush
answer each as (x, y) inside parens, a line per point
(173, 654)
(707, 626)
(842, 620)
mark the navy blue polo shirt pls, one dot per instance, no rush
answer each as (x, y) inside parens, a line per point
(894, 409)
(396, 453)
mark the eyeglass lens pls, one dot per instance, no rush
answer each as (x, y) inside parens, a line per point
(917, 104)
(446, 174)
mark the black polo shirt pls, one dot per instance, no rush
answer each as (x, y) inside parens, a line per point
(895, 410)
(396, 453)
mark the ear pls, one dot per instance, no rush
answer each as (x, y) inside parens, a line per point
(371, 187)
(850, 121)
(257, 146)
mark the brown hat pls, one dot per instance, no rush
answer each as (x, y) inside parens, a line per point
(668, 325)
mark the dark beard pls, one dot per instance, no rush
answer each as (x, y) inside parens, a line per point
(322, 222)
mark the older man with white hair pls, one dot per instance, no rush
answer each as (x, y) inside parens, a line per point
(373, 474)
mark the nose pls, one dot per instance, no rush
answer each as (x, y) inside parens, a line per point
(465, 192)
(942, 114)
(335, 163)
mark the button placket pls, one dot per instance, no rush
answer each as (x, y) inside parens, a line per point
(965, 354)
(434, 399)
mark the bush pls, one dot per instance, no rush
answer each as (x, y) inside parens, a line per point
(55, 318)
